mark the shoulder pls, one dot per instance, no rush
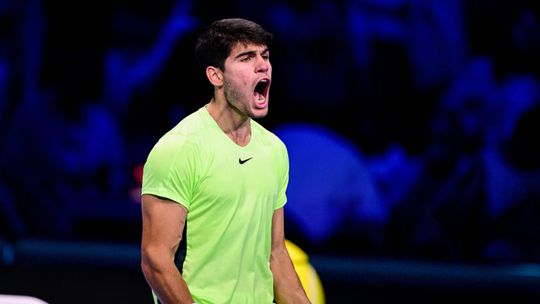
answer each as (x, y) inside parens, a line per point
(189, 127)
(182, 138)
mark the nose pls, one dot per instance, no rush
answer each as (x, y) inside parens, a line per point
(263, 65)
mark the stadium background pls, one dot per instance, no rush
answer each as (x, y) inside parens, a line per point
(412, 128)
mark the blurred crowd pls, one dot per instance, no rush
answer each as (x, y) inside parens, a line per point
(411, 125)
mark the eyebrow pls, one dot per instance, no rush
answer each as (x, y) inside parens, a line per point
(266, 50)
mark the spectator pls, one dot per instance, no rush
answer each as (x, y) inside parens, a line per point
(331, 192)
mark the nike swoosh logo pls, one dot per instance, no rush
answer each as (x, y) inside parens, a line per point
(241, 161)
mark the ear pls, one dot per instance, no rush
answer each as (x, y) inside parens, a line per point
(215, 76)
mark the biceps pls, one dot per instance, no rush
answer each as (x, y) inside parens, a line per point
(163, 224)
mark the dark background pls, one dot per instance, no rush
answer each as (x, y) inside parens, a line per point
(412, 130)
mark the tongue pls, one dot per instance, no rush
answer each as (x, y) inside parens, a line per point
(259, 97)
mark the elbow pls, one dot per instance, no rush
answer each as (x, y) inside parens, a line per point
(147, 263)
(152, 262)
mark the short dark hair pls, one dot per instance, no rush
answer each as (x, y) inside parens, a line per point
(217, 40)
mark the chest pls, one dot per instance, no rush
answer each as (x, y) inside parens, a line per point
(239, 177)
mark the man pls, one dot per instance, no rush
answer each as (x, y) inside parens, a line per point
(214, 186)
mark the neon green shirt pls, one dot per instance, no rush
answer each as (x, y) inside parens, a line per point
(230, 193)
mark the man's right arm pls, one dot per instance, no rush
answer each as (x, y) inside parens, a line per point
(163, 225)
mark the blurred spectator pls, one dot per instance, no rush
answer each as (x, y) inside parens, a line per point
(466, 186)
(31, 169)
(395, 174)
(142, 45)
(63, 156)
(61, 151)
(24, 22)
(132, 65)
(331, 193)
(313, 53)
(432, 32)
(403, 53)
(444, 215)
(513, 189)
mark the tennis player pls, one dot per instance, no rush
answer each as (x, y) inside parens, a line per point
(214, 186)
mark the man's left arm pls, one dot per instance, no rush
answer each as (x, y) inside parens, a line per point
(287, 286)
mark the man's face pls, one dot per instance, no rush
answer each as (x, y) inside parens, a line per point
(247, 77)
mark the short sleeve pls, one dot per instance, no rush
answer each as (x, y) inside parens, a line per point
(170, 171)
(284, 176)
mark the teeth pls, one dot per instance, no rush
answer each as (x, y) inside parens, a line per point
(260, 89)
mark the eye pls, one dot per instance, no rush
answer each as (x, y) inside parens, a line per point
(246, 58)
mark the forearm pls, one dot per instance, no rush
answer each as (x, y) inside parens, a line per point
(166, 281)
(287, 286)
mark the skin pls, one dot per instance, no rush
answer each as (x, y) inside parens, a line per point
(163, 224)
(287, 286)
(233, 106)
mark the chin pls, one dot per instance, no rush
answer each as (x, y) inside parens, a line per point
(259, 113)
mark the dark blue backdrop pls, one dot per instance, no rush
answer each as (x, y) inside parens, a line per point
(412, 126)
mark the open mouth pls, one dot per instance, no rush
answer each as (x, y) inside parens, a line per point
(261, 90)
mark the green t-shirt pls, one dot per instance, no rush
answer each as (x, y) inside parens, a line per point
(231, 193)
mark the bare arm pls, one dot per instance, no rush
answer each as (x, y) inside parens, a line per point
(287, 286)
(163, 225)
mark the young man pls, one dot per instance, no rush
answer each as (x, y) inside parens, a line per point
(214, 186)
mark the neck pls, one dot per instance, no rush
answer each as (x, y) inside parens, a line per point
(231, 122)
